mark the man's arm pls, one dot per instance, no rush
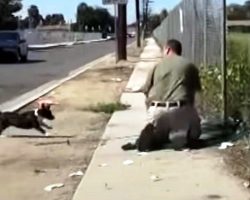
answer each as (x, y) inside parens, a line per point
(149, 82)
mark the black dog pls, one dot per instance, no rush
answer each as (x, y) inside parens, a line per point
(149, 140)
(27, 120)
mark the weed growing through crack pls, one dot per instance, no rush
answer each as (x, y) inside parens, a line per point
(107, 108)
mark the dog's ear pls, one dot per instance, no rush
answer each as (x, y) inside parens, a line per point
(46, 102)
(45, 106)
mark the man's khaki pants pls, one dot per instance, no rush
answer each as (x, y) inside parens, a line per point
(180, 123)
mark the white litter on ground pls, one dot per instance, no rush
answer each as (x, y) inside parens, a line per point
(49, 188)
(78, 173)
(116, 79)
(155, 178)
(246, 184)
(142, 154)
(103, 165)
(247, 147)
(47, 134)
(128, 162)
(225, 145)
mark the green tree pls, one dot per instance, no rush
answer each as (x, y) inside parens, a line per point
(93, 19)
(34, 16)
(7, 10)
(54, 19)
(164, 14)
(81, 12)
(153, 22)
(236, 12)
(247, 4)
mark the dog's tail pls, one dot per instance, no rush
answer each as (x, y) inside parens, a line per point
(129, 146)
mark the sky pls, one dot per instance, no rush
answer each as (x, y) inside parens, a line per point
(68, 7)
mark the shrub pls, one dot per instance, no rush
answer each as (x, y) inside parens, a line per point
(238, 77)
(108, 108)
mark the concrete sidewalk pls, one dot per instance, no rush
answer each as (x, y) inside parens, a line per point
(167, 174)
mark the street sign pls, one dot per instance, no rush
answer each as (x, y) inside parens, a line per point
(108, 2)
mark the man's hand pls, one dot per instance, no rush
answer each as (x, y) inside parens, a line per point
(135, 89)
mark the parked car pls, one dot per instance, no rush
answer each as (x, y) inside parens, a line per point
(131, 34)
(12, 43)
(112, 36)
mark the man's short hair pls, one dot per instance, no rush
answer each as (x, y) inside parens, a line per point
(175, 45)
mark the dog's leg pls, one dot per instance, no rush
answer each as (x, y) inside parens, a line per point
(193, 138)
(37, 126)
(40, 129)
(42, 123)
(129, 146)
(3, 126)
(146, 139)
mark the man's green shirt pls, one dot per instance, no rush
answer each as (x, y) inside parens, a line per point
(174, 79)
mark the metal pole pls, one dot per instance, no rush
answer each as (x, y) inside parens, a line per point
(18, 22)
(116, 33)
(137, 7)
(205, 35)
(223, 63)
(122, 35)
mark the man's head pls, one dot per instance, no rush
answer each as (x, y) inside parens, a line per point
(173, 47)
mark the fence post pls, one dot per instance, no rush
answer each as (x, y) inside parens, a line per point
(193, 31)
(205, 34)
(223, 62)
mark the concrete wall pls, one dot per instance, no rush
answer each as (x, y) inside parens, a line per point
(42, 37)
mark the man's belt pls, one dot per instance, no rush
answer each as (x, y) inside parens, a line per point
(169, 104)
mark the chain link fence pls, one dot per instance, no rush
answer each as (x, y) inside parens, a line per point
(197, 24)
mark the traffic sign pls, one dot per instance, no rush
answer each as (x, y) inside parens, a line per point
(108, 2)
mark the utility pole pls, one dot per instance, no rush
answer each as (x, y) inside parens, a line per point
(116, 34)
(122, 32)
(223, 62)
(138, 30)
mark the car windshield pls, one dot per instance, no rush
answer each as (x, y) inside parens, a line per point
(8, 36)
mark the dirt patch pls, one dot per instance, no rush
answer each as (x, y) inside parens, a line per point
(27, 165)
(237, 159)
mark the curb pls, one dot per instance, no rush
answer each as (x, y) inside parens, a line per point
(21, 101)
(63, 44)
(90, 41)
(41, 47)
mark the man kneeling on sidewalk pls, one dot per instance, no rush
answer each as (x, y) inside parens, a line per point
(172, 116)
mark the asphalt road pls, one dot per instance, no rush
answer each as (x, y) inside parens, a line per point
(47, 65)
